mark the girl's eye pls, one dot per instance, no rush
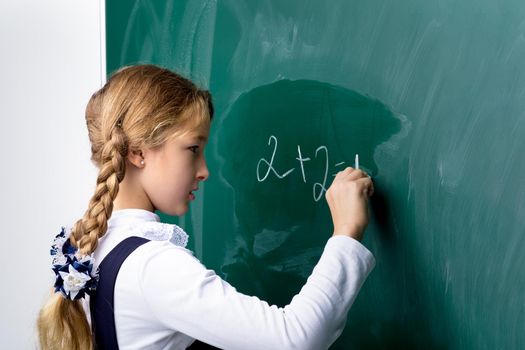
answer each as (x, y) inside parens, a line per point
(194, 149)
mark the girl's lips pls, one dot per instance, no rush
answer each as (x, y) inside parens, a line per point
(191, 195)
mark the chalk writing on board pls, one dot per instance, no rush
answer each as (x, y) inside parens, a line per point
(318, 189)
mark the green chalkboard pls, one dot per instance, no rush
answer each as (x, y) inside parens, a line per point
(432, 97)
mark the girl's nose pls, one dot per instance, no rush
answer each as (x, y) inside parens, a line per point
(203, 172)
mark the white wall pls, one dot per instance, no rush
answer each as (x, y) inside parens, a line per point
(51, 62)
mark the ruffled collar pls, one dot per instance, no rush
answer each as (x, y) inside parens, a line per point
(143, 223)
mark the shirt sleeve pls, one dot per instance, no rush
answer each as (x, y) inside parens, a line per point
(185, 296)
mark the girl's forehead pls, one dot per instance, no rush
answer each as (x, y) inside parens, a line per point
(195, 124)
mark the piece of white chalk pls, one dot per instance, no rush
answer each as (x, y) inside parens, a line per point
(357, 161)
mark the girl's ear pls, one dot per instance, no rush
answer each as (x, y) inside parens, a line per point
(136, 158)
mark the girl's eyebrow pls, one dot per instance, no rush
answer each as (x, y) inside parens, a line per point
(201, 138)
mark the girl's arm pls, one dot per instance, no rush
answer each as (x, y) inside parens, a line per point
(185, 296)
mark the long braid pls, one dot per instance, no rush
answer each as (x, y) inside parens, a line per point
(85, 236)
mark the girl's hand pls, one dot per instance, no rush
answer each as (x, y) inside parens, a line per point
(347, 198)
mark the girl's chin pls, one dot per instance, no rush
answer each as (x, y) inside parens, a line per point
(179, 211)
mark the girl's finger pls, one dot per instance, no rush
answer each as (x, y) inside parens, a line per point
(367, 185)
(357, 174)
(344, 172)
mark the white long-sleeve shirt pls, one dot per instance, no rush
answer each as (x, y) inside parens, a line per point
(165, 297)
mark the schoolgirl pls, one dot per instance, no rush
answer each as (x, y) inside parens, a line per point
(125, 280)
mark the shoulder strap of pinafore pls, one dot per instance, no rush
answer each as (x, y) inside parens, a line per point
(101, 302)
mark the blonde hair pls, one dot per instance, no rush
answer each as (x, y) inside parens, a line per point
(139, 107)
